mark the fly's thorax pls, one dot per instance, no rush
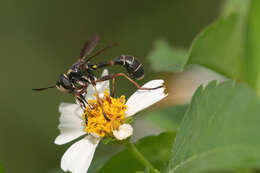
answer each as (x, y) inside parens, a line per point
(76, 67)
(80, 69)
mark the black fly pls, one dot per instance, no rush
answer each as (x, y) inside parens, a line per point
(81, 74)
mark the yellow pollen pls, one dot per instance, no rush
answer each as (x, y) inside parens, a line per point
(114, 109)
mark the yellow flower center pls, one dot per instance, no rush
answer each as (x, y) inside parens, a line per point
(95, 121)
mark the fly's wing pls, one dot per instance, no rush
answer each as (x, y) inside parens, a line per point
(88, 47)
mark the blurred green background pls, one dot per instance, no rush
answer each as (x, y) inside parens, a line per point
(41, 39)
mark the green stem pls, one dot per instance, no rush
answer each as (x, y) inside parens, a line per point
(142, 159)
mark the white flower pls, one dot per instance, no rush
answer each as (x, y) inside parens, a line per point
(78, 157)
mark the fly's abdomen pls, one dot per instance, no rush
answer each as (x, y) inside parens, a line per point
(132, 65)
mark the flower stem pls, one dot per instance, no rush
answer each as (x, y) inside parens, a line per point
(139, 156)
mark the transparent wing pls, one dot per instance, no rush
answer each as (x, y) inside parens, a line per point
(89, 46)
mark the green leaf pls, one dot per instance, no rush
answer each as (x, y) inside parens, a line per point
(165, 57)
(253, 49)
(167, 118)
(235, 6)
(155, 148)
(220, 47)
(147, 170)
(219, 131)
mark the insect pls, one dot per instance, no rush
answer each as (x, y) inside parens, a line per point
(81, 74)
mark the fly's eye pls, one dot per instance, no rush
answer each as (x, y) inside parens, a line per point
(64, 82)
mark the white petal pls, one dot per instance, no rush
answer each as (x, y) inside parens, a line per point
(123, 132)
(104, 73)
(69, 108)
(142, 99)
(101, 87)
(90, 93)
(71, 124)
(78, 157)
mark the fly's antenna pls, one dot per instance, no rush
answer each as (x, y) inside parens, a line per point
(41, 89)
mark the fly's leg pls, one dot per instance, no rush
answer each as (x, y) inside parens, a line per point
(112, 76)
(99, 102)
(113, 87)
(81, 100)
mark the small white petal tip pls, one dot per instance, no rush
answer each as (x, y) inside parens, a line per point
(124, 131)
(105, 72)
